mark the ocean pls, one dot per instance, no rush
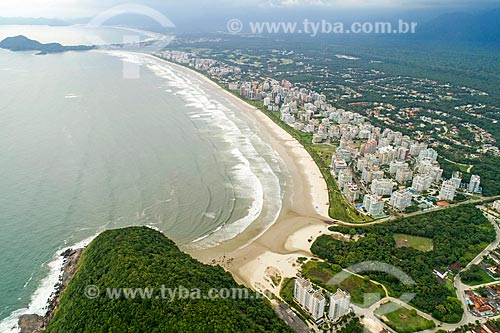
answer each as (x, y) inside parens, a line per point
(83, 149)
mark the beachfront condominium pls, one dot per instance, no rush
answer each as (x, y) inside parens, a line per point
(317, 305)
(302, 291)
(339, 304)
(311, 300)
(475, 182)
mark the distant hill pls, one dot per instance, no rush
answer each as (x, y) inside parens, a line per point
(482, 27)
(32, 21)
(22, 43)
(139, 257)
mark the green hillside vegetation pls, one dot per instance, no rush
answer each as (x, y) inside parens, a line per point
(458, 234)
(139, 257)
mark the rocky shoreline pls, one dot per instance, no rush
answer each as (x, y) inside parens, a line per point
(33, 323)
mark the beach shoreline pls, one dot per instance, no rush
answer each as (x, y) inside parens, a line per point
(250, 257)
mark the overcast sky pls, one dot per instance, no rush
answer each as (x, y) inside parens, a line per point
(83, 8)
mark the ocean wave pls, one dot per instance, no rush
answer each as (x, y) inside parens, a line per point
(38, 303)
(253, 179)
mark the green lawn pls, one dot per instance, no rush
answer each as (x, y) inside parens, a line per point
(419, 243)
(402, 319)
(332, 277)
(325, 152)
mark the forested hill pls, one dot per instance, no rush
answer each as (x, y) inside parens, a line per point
(140, 257)
(22, 43)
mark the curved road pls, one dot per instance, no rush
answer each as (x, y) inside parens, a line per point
(459, 287)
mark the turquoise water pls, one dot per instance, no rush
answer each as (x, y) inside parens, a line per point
(83, 150)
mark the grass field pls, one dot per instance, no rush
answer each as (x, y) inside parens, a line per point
(332, 277)
(402, 319)
(325, 152)
(418, 243)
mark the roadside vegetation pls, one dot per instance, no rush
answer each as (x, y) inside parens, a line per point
(458, 235)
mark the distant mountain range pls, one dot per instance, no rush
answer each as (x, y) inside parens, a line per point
(32, 21)
(22, 43)
(482, 27)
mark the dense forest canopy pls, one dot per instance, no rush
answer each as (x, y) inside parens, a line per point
(140, 257)
(458, 235)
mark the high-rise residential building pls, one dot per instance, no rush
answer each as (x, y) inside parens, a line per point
(496, 205)
(426, 166)
(403, 153)
(401, 199)
(421, 183)
(351, 192)
(447, 190)
(416, 148)
(394, 166)
(382, 187)
(386, 154)
(302, 291)
(373, 204)
(475, 182)
(369, 147)
(428, 153)
(338, 164)
(456, 177)
(345, 176)
(339, 304)
(404, 175)
(317, 305)
(311, 300)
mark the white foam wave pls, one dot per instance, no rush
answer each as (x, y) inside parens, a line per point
(253, 179)
(38, 303)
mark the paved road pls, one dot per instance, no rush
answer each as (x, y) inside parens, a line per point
(459, 286)
(392, 218)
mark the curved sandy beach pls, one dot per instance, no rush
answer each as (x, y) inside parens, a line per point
(251, 257)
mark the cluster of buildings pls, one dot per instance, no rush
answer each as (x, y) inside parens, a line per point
(314, 301)
(374, 168)
(383, 167)
(211, 66)
(491, 264)
(482, 328)
(484, 302)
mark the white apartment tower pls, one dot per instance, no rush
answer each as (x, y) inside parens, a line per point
(317, 305)
(382, 186)
(401, 199)
(447, 190)
(302, 291)
(373, 204)
(475, 182)
(339, 304)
